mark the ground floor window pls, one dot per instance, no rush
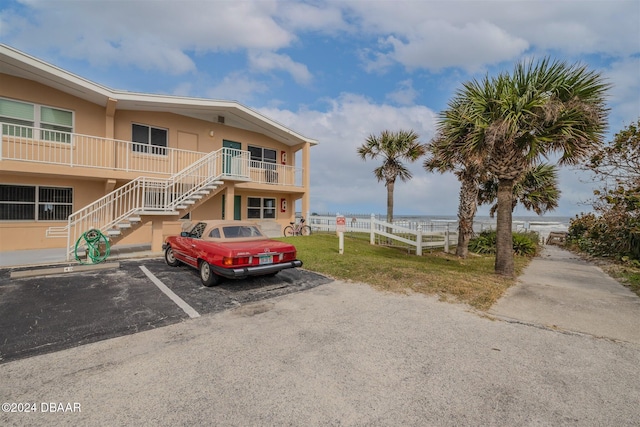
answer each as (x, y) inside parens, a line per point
(261, 208)
(35, 203)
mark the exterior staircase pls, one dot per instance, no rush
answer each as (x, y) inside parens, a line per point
(127, 208)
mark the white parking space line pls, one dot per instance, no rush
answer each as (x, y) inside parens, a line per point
(168, 292)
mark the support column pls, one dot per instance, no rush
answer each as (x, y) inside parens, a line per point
(109, 133)
(230, 202)
(306, 177)
(156, 234)
(109, 130)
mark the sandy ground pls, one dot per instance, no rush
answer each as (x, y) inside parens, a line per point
(337, 354)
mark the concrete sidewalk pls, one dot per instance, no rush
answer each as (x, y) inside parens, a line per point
(39, 257)
(560, 290)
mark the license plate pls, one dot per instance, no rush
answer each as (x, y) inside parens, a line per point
(266, 259)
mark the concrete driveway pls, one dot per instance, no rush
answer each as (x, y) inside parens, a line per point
(336, 354)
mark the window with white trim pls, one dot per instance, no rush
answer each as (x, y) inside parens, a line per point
(261, 208)
(18, 118)
(35, 203)
(149, 139)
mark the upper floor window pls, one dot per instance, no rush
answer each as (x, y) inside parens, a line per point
(18, 118)
(260, 154)
(149, 139)
(58, 124)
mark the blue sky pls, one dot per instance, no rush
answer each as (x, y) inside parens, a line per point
(338, 71)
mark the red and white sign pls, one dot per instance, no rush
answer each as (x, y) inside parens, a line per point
(341, 224)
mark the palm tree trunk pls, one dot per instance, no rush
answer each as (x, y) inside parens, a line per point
(390, 186)
(504, 238)
(466, 212)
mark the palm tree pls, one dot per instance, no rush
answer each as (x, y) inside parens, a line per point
(515, 120)
(454, 124)
(537, 190)
(393, 147)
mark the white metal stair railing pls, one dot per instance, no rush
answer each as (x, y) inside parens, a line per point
(124, 206)
(199, 179)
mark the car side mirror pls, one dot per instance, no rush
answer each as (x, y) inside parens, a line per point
(184, 234)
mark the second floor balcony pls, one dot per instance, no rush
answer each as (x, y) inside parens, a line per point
(107, 157)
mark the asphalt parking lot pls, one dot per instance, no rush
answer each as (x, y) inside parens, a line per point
(49, 313)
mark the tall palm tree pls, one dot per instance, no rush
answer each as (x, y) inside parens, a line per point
(544, 107)
(537, 190)
(455, 125)
(394, 148)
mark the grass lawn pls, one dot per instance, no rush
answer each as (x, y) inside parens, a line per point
(471, 281)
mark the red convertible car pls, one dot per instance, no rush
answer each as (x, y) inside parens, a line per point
(231, 249)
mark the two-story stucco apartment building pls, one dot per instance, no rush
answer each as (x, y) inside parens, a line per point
(75, 155)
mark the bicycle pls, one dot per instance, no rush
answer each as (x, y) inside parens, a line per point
(298, 229)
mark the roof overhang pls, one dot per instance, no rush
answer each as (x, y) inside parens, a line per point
(16, 63)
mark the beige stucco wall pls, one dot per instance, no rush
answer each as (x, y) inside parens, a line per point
(19, 235)
(89, 184)
(200, 130)
(89, 119)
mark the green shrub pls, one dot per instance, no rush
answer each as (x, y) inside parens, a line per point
(524, 244)
(611, 235)
(484, 243)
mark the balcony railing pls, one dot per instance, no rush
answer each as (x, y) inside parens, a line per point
(272, 173)
(38, 145)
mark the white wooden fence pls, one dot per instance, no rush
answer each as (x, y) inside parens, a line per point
(415, 235)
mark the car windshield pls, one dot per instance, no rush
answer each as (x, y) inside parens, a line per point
(237, 231)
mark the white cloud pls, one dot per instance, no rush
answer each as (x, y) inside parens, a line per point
(405, 94)
(341, 180)
(625, 93)
(312, 17)
(151, 35)
(600, 26)
(440, 45)
(267, 61)
(469, 34)
(238, 87)
(169, 35)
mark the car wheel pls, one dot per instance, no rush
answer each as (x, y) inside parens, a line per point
(306, 231)
(288, 231)
(208, 277)
(170, 257)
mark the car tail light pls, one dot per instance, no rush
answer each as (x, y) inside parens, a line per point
(288, 256)
(230, 261)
